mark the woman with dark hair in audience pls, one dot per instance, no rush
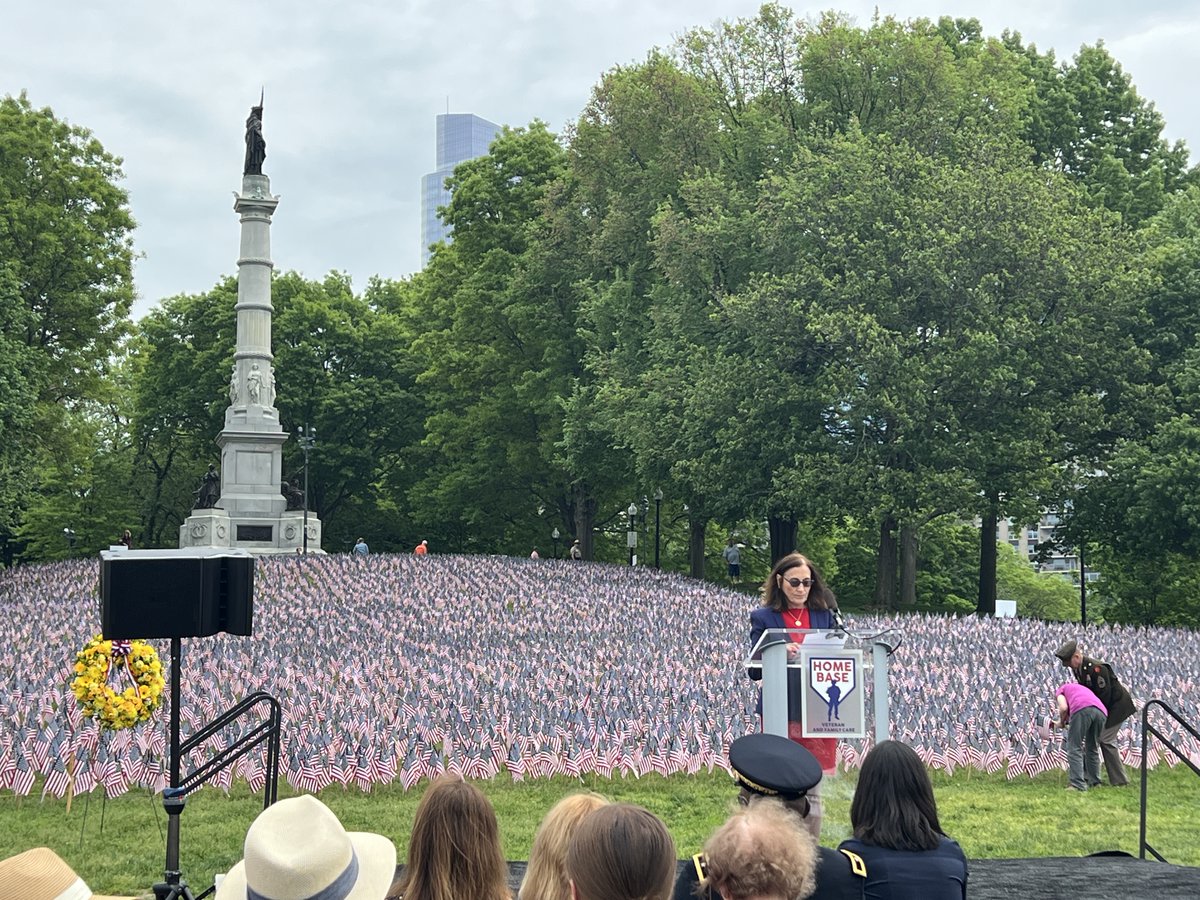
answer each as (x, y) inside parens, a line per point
(454, 850)
(795, 596)
(621, 852)
(897, 835)
(546, 874)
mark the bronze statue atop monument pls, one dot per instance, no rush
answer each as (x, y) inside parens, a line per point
(256, 144)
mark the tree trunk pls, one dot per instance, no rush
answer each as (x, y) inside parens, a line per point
(908, 565)
(585, 519)
(987, 558)
(696, 530)
(782, 532)
(885, 564)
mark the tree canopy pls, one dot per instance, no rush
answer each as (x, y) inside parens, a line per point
(866, 288)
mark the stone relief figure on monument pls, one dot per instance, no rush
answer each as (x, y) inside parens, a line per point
(256, 145)
(233, 386)
(271, 386)
(254, 384)
(295, 496)
(209, 491)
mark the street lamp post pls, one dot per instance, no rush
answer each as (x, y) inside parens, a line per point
(631, 534)
(69, 536)
(307, 438)
(1082, 588)
(555, 535)
(657, 509)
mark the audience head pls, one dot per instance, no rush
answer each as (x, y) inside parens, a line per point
(454, 850)
(893, 803)
(763, 852)
(621, 852)
(297, 848)
(780, 596)
(546, 875)
(41, 874)
(767, 765)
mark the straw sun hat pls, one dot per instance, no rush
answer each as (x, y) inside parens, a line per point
(297, 849)
(41, 874)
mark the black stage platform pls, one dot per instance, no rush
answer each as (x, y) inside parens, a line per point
(1057, 878)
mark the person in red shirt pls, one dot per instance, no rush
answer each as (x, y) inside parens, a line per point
(422, 548)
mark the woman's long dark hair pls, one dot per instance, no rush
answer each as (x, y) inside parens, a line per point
(819, 595)
(893, 804)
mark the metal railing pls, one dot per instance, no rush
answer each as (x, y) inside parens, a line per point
(1147, 730)
(267, 729)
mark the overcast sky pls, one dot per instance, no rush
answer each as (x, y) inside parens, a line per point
(352, 89)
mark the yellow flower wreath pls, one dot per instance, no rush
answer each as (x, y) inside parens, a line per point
(135, 661)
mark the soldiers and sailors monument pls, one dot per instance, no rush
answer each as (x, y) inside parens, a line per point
(244, 505)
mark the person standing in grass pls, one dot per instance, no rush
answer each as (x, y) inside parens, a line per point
(1082, 714)
(1100, 678)
(733, 559)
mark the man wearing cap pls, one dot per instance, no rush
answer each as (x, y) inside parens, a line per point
(1100, 678)
(768, 767)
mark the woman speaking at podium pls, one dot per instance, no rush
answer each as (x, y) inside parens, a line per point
(795, 596)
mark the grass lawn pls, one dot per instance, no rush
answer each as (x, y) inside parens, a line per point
(118, 846)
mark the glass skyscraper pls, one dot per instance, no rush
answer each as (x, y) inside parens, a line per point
(460, 136)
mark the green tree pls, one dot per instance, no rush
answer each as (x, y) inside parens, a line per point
(182, 357)
(341, 369)
(346, 369)
(498, 356)
(1041, 595)
(65, 285)
(1088, 121)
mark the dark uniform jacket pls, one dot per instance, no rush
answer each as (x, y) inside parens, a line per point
(1103, 682)
(938, 874)
(835, 879)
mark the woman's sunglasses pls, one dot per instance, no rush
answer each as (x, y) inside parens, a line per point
(799, 582)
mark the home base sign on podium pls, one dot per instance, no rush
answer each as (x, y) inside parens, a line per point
(833, 694)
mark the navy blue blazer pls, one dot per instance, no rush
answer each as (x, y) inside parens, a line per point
(763, 618)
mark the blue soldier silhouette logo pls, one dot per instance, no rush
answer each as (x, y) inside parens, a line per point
(833, 696)
(833, 678)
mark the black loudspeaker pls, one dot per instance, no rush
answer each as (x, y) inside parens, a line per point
(175, 593)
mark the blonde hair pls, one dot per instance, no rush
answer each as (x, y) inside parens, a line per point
(762, 850)
(546, 875)
(454, 851)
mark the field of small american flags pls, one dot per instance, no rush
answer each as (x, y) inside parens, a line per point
(390, 669)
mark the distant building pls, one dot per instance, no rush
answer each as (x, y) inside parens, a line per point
(460, 136)
(1025, 540)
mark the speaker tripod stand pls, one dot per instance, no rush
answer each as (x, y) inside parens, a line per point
(173, 887)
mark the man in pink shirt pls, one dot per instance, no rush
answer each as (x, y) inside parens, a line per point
(1082, 714)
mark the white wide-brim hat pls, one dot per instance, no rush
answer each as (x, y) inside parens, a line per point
(41, 874)
(298, 850)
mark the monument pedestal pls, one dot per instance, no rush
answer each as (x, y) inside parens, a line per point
(266, 535)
